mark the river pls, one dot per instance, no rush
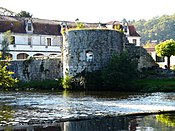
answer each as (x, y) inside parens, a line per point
(86, 111)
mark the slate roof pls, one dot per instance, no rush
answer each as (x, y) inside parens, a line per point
(41, 26)
(48, 27)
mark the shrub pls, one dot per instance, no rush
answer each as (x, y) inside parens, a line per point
(6, 80)
(119, 72)
(67, 82)
(116, 75)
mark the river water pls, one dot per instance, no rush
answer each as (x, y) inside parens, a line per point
(86, 111)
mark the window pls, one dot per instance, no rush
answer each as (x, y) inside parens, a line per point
(134, 41)
(125, 29)
(160, 59)
(29, 27)
(48, 41)
(13, 40)
(22, 56)
(89, 56)
(29, 41)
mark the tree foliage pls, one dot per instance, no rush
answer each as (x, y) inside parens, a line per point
(167, 119)
(121, 70)
(158, 28)
(67, 82)
(7, 39)
(166, 48)
(79, 24)
(6, 80)
(24, 14)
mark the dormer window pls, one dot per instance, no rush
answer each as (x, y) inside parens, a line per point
(125, 29)
(29, 26)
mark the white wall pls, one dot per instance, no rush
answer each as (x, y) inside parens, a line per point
(130, 39)
(39, 43)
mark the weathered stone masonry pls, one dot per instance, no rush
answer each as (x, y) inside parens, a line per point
(27, 70)
(82, 50)
(100, 44)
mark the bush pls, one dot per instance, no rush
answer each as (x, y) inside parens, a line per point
(6, 79)
(119, 72)
(67, 82)
(116, 75)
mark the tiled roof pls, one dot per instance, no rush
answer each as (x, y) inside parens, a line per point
(112, 22)
(72, 24)
(41, 26)
(149, 50)
(132, 31)
(47, 27)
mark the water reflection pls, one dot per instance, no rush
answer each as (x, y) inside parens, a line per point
(30, 108)
(6, 115)
(167, 119)
(120, 123)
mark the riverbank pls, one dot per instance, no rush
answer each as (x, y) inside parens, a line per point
(138, 85)
(154, 85)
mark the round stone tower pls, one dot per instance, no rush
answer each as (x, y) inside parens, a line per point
(89, 49)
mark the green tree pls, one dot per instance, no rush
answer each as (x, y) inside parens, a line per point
(6, 80)
(7, 39)
(24, 14)
(166, 48)
(158, 28)
(119, 72)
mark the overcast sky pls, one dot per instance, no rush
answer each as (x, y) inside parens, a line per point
(92, 10)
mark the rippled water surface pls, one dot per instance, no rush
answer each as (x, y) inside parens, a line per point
(29, 108)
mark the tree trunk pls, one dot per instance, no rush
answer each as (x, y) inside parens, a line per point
(168, 62)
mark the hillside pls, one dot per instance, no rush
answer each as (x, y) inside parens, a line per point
(156, 29)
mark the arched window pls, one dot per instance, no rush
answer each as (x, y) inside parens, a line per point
(38, 54)
(22, 56)
(89, 56)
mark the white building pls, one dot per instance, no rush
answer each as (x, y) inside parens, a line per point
(129, 30)
(31, 36)
(40, 37)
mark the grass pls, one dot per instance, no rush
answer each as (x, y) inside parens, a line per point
(39, 85)
(155, 85)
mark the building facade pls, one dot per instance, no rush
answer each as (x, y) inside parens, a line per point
(32, 37)
(128, 29)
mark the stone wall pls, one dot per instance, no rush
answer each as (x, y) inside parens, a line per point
(100, 44)
(144, 59)
(83, 50)
(27, 70)
(89, 49)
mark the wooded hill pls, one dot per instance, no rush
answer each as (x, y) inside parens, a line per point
(156, 29)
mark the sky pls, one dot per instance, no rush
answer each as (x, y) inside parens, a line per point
(92, 10)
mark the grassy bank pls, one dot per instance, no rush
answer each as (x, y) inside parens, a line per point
(154, 85)
(39, 85)
(139, 85)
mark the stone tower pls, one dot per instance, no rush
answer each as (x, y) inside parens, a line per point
(89, 49)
